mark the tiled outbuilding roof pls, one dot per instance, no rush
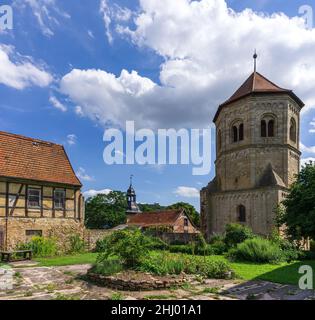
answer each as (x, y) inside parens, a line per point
(156, 218)
(32, 159)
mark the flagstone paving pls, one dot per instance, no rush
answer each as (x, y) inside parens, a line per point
(66, 283)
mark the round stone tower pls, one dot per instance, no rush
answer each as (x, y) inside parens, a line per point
(257, 156)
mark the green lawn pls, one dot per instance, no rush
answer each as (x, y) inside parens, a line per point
(286, 273)
(83, 258)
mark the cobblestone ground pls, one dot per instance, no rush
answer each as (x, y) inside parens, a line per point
(66, 283)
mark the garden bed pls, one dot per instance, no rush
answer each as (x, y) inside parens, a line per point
(135, 281)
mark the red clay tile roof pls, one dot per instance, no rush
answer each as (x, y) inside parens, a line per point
(156, 218)
(256, 83)
(32, 159)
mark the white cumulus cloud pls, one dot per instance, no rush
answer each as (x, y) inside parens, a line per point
(305, 161)
(72, 139)
(207, 50)
(46, 12)
(82, 175)
(57, 104)
(307, 149)
(187, 192)
(19, 71)
(92, 192)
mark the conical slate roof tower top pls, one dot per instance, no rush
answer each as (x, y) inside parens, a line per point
(255, 84)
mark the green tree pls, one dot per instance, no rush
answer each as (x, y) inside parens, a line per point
(148, 207)
(106, 210)
(299, 206)
(190, 210)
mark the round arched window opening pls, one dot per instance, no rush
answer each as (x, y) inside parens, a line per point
(293, 130)
(241, 211)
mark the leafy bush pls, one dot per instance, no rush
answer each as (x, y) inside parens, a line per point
(167, 263)
(76, 244)
(129, 245)
(41, 247)
(257, 250)
(290, 249)
(157, 244)
(218, 245)
(107, 267)
(236, 233)
(100, 245)
(191, 249)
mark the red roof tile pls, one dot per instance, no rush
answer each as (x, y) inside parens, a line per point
(33, 159)
(256, 83)
(167, 217)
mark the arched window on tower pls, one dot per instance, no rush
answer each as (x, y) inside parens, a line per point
(292, 130)
(241, 210)
(263, 128)
(235, 133)
(241, 132)
(219, 140)
(271, 128)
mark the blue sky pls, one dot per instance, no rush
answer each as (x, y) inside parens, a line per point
(62, 76)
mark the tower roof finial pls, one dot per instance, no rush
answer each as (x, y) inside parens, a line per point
(131, 176)
(255, 56)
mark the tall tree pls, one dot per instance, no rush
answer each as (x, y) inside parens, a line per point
(190, 210)
(148, 207)
(299, 206)
(106, 211)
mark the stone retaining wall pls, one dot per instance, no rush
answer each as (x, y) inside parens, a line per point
(134, 285)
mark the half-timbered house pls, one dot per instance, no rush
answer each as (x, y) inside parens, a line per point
(39, 191)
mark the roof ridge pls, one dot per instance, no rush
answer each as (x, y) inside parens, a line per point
(18, 136)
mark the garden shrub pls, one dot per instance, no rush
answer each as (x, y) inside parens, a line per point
(100, 245)
(40, 246)
(76, 244)
(257, 250)
(167, 263)
(236, 233)
(107, 267)
(191, 249)
(129, 245)
(156, 243)
(290, 250)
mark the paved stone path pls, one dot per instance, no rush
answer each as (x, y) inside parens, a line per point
(66, 283)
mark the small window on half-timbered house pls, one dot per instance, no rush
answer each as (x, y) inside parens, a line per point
(34, 198)
(186, 222)
(59, 199)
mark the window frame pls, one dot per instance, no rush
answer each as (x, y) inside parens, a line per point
(29, 190)
(293, 126)
(241, 211)
(56, 207)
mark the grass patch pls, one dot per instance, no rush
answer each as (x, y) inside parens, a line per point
(116, 296)
(82, 258)
(214, 290)
(284, 273)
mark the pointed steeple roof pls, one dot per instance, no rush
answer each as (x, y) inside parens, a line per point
(256, 83)
(270, 178)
